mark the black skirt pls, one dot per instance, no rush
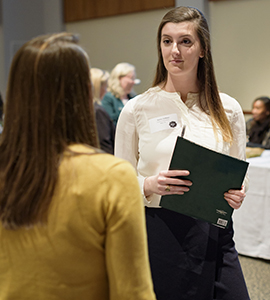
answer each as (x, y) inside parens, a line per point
(192, 259)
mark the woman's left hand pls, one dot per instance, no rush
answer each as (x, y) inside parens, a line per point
(235, 198)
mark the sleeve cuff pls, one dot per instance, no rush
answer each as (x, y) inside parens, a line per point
(146, 200)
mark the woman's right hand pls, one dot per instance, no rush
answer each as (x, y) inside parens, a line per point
(166, 183)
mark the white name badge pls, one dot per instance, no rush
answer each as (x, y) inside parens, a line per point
(163, 123)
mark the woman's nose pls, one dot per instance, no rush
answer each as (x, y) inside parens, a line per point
(175, 48)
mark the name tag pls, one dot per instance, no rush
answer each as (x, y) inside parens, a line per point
(163, 123)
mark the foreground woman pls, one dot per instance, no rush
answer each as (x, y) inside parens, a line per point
(72, 224)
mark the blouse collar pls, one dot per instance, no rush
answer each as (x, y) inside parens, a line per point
(192, 98)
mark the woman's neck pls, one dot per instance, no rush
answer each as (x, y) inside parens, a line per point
(182, 86)
(124, 97)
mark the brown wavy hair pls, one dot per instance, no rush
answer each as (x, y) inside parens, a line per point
(209, 95)
(48, 107)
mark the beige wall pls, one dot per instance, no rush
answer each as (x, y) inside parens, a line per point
(240, 42)
(241, 48)
(129, 38)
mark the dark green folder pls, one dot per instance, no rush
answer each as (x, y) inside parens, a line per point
(212, 174)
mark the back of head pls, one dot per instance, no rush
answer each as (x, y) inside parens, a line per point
(98, 78)
(121, 69)
(49, 92)
(48, 106)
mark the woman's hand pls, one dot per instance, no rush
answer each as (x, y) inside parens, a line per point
(164, 183)
(235, 198)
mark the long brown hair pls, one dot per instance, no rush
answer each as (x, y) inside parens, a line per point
(48, 107)
(210, 102)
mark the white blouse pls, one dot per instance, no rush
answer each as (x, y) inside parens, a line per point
(149, 124)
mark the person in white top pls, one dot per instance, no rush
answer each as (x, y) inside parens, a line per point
(190, 258)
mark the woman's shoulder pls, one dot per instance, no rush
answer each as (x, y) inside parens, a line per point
(108, 97)
(100, 111)
(266, 140)
(227, 98)
(143, 98)
(229, 103)
(150, 92)
(86, 159)
(89, 183)
(249, 121)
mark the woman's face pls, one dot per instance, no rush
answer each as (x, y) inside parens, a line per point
(127, 82)
(259, 111)
(180, 48)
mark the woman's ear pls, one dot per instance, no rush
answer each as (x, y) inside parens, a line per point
(201, 54)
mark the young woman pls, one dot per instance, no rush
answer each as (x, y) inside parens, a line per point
(258, 128)
(72, 224)
(190, 259)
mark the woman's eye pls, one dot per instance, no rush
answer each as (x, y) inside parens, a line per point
(166, 42)
(186, 41)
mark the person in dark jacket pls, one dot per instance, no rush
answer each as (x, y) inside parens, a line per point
(105, 126)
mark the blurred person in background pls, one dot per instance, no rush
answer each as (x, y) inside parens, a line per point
(258, 127)
(120, 89)
(105, 126)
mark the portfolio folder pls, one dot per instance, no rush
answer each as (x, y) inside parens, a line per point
(212, 174)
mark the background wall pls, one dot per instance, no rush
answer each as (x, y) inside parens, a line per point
(240, 40)
(22, 20)
(240, 32)
(129, 38)
(126, 38)
(241, 45)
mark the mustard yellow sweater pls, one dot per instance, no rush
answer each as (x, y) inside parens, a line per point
(94, 244)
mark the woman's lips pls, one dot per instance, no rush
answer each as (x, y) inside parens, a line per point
(176, 61)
